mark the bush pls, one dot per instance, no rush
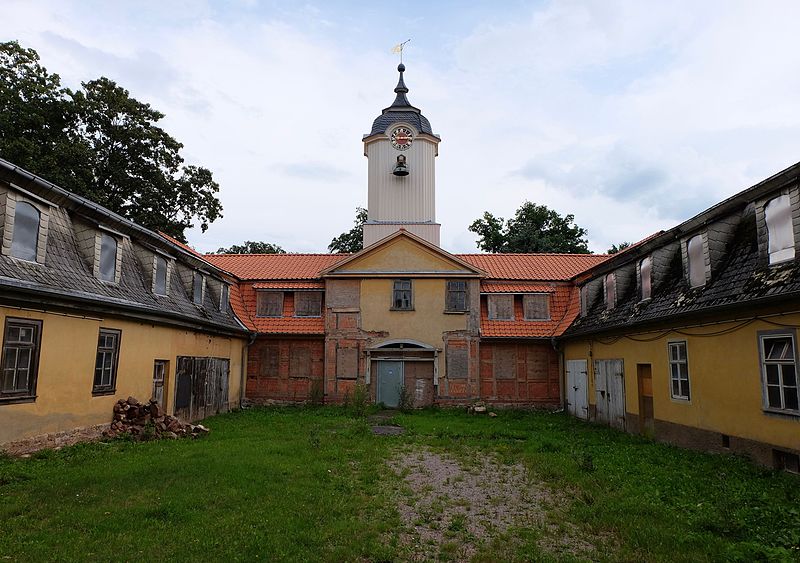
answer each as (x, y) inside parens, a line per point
(406, 402)
(360, 400)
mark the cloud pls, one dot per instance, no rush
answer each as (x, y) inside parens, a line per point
(314, 171)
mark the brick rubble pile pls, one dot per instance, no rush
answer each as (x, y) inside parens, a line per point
(148, 421)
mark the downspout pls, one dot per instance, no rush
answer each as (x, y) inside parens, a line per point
(562, 379)
(245, 353)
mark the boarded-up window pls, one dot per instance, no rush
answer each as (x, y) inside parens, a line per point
(536, 306)
(584, 294)
(347, 363)
(537, 363)
(778, 213)
(456, 299)
(610, 289)
(505, 362)
(646, 275)
(269, 304)
(457, 361)
(501, 307)
(197, 288)
(401, 295)
(269, 361)
(25, 238)
(697, 267)
(307, 303)
(223, 298)
(300, 361)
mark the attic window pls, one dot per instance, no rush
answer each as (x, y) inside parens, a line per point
(160, 274)
(610, 290)
(307, 303)
(269, 304)
(197, 288)
(646, 276)
(26, 231)
(584, 295)
(223, 298)
(778, 213)
(108, 257)
(536, 307)
(501, 307)
(697, 267)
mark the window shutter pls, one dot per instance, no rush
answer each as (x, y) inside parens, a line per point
(269, 304)
(456, 296)
(307, 303)
(501, 307)
(536, 307)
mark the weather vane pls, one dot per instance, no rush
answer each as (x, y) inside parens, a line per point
(398, 49)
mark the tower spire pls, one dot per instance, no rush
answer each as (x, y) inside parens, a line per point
(401, 89)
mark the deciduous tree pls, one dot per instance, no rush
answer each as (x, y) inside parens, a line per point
(352, 240)
(252, 247)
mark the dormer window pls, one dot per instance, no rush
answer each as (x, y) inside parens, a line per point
(501, 307)
(160, 276)
(307, 303)
(108, 257)
(269, 304)
(646, 277)
(536, 306)
(778, 214)
(696, 265)
(25, 239)
(223, 298)
(197, 288)
(610, 290)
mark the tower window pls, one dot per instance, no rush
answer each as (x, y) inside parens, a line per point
(26, 231)
(402, 298)
(646, 276)
(778, 215)
(697, 267)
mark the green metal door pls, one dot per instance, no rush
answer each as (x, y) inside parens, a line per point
(390, 380)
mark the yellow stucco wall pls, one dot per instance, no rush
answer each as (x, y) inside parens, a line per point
(724, 377)
(66, 370)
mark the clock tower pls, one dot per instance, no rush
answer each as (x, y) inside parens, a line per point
(401, 150)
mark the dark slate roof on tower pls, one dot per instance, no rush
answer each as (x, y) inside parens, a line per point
(401, 110)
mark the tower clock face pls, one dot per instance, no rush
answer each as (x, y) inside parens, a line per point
(401, 138)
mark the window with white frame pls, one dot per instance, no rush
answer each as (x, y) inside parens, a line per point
(646, 277)
(696, 261)
(779, 372)
(778, 215)
(108, 257)
(25, 240)
(610, 290)
(678, 371)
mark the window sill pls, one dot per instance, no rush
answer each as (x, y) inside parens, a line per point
(17, 400)
(681, 400)
(270, 316)
(502, 320)
(537, 320)
(307, 316)
(455, 312)
(401, 310)
(791, 415)
(103, 392)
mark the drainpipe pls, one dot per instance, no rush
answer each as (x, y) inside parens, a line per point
(562, 379)
(245, 351)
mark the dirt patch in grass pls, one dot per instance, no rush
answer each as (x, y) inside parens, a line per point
(451, 509)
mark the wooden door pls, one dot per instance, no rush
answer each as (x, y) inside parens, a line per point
(160, 368)
(202, 386)
(646, 416)
(609, 384)
(577, 389)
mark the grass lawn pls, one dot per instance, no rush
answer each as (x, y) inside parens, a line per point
(306, 484)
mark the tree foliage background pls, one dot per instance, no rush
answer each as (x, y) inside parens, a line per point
(252, 247)
(100, 143)
(352, 240)
(534, 228)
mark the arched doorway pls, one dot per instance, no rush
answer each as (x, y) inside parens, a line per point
(405, 372)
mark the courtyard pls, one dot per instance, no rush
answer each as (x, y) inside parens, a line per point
(317, 484)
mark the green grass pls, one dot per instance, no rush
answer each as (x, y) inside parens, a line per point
(310, 484)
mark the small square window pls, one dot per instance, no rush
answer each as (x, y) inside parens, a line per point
(456, 297)
(501, 307)
(402, 295)
(536, 307)
(105, 368)
(307, 303)
(269, 304)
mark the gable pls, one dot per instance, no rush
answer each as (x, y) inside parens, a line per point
(403, 255)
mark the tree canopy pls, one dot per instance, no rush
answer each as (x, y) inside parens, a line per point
(100, 143)
(252, 247)
(534, 228)
(618, 247)
(352, 240)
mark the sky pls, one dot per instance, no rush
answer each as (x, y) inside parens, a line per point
(632, 116)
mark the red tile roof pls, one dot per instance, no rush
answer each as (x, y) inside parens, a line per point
(563, 298)
(496, 286)
(275, 266)
(533, 266)
(290, 284)
(287, 324)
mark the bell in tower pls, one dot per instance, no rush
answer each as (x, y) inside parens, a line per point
(401, 150)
